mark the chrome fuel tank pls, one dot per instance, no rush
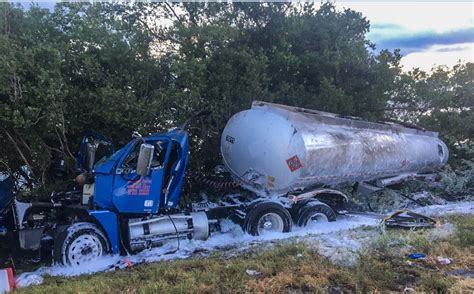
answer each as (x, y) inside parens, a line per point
(274, 149)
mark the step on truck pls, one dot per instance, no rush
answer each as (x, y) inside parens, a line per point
(288, 158)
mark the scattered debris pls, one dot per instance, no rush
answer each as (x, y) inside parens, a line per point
(253, 273)
(121, 264)
(408, 219)
(415, 256)
(444, 260)
(334, 290)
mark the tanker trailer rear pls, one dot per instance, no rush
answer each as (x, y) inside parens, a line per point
(276, 150)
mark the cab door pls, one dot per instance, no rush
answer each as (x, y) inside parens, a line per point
(135, 194)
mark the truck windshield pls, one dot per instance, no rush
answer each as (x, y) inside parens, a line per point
(106, 158)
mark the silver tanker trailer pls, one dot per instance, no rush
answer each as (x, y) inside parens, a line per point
(275, 149)
(301, 155)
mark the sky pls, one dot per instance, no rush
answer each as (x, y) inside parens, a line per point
(427, 33)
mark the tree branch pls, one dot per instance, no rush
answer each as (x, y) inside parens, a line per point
(23, 157)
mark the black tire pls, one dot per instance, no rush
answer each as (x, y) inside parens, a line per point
(312, 209)
(295, 209)
(256, 213)
(86, 237)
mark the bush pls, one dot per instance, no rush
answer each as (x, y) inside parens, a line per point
(459, 183)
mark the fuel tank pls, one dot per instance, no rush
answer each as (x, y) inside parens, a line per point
(274, 149)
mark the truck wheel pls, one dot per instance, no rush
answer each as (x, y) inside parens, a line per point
(314, 212)
(266, 217)
(80, 244)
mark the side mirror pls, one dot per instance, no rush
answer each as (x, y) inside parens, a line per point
(91, 149)
(144, 159)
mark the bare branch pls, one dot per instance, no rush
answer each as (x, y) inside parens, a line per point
(22, 155)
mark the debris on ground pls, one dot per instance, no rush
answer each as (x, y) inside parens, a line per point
(252, 273)
(408, 219)
(416, 256)
(444, 260)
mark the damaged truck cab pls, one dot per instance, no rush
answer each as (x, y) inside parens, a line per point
(123, 202)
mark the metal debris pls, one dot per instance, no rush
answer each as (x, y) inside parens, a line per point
(408, 219)
(444, 260)
(253, 273)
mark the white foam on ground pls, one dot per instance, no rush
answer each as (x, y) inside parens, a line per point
(446, 209)
(333, 239)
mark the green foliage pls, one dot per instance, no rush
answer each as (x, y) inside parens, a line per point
(67, 71)
(459, 182)
(441, 101)
(464, 236)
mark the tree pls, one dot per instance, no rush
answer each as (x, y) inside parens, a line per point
(67, 71)
(441, 101)
(227, 55)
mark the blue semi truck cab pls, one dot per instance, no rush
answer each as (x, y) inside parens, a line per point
(125, 201)
(118, 186)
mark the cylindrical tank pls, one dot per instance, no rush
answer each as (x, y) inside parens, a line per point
(274, 149)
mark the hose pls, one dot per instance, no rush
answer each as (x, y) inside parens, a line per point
(177, 237)
(215, 184)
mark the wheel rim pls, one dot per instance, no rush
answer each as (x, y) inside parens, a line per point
(84, 249)
(270, 222)
(318, 218)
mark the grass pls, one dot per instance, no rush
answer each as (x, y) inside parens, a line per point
(296, 267)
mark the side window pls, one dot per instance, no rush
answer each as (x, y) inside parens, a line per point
(132, 158)
(160, 154)
(158, 157)
(174, 157)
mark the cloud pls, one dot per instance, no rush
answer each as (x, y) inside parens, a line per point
(416, 42)
(386, 26)
(453, 49)
(448, 55)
